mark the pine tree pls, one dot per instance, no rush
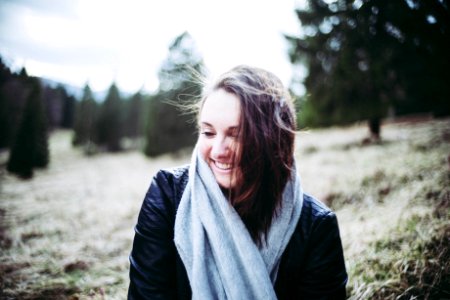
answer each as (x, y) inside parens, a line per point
(14, 93)
(134, 120)
(30, 148)
(85, 121)
(5, 126)
(68, 109)
(134, 116)
(364, 57)
(168, 128)
(110, 121)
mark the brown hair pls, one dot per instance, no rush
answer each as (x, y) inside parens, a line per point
(266, 137)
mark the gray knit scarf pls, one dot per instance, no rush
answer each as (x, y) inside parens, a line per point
(220, 257)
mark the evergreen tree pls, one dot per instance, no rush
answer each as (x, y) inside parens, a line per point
(364, 57)
(168, 128)
(135, 115)
(68, 111)
(133, 123)
(111, 120)
(59, 106)
(5, 126)
(30, 148)
(85, 120)
(14, 91)
(23, 74)
(53, 105)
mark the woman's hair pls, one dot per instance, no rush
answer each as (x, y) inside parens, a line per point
(266, 138)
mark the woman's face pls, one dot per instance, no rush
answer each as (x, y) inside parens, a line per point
(218, 140)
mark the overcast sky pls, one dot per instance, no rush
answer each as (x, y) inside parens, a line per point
(100, 41)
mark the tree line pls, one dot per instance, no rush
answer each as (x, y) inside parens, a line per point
(30, 109)
(155, 123)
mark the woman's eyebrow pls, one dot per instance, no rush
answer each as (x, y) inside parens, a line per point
(206, 124)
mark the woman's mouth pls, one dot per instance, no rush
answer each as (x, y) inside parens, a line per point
(223, 166)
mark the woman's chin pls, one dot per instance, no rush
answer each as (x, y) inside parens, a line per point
(224, 185)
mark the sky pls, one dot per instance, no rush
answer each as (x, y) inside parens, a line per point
(125, 41)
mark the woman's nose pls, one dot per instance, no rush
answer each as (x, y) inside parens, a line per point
(220, 147)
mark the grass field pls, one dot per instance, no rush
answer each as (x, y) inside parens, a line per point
(67, 233)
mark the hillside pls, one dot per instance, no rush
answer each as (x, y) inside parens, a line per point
(67, 233)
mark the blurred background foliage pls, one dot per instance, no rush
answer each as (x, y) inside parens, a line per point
(170, 129)
(30, 109)
(365, 60)
(370, 59)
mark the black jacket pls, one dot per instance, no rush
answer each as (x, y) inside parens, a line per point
(312, 266)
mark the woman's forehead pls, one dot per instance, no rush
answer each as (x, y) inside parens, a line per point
(221, 108)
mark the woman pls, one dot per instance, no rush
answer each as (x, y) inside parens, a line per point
(235, 224)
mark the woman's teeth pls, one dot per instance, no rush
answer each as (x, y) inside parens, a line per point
(223, 166)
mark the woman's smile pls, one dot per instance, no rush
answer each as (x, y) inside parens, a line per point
(222, 166)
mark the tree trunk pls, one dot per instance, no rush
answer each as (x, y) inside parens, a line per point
(374, 129)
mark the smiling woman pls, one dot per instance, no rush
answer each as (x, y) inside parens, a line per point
(235, 223)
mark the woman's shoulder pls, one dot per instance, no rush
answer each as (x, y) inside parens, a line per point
(162, 197)
(172, 181)
(314, 206)
(175, 175)
(314, 213)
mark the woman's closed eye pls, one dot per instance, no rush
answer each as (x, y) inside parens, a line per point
(208, 134)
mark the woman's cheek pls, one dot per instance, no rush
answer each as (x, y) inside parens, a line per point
(203, 147)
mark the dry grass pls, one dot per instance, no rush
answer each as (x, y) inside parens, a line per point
(69, 230)
(67, 233)
(392, 201)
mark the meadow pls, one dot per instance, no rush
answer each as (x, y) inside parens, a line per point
(67, 233)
